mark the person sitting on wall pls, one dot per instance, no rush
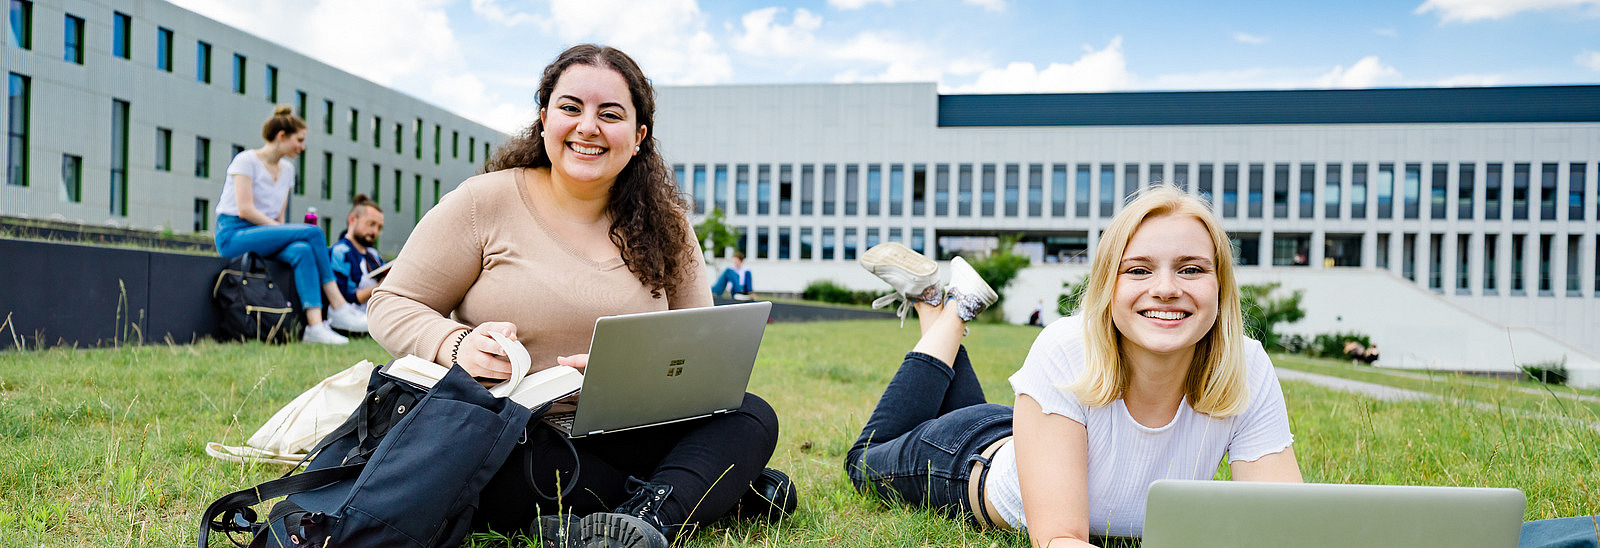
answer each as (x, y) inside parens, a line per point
(355, 255)
(735, 278)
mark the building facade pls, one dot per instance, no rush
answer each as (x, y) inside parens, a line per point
(1484, 196)
(128, 113)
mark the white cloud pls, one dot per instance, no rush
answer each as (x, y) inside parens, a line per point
(1471, 80)
(991, 5)
(1246, 38)
(1098, 70)
(667, 37)
(1466, 11)
(763, 36)
(857, 4)
(492, 11)
(1368, 72)
(1590, 59)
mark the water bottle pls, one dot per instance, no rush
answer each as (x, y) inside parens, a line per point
(311, 216)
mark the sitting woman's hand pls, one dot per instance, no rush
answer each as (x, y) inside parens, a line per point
(576, 361)
(481, 356)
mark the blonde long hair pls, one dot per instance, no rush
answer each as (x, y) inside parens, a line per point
(1215, 383)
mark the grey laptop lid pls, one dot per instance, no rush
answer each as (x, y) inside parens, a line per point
(1203, 514)
(659, 367)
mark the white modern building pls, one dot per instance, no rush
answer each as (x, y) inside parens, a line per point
(1481, 199)
(127, 113)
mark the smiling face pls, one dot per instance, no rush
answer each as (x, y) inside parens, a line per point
(365, 224)
(291, 145)
(1166, 292)
(590, 125)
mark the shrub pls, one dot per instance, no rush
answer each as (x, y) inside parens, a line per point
(1262, 314)
(1331, 345)
(1072, 295)
(1548, 372)
(829, 292)
(1000, 267)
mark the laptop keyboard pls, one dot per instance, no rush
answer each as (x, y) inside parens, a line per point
(562, 421)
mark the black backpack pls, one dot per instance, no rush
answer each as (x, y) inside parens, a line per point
(249, 304)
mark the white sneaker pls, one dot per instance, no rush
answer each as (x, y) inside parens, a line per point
(967, 290)
(348, 318)
(913, 276)
(322, 334)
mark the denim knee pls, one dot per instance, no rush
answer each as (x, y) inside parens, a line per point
(297, 253)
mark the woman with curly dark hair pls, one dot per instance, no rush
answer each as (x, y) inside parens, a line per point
(577, 218)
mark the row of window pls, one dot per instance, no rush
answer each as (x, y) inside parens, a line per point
(1377, 190)
(73, 52)
(203, 212)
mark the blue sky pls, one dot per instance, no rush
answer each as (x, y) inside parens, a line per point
(481, 58)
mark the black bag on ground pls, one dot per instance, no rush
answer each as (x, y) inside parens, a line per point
(249, 303)
(404, 470)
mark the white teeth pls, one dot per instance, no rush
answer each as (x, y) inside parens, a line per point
(581, 149)
(1163, 314)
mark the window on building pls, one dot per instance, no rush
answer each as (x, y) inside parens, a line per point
(1490, 254)
(1381, 246)
(485, 151)
(272, 84)
(1359, 193)
(808, 186)
(1256, 189)
(1280, 191)
(763, 242)
(416, 200)
(1577, 188)
(1518, 250)
(416, 132)
(1463, 264)
(806, 243)
(397, 192)
(438, 149)
(72, 46)
(852, 188)
(202, 214)
(964, 190)
(354, 182)
(1035, 190)
(1246, 249)
(919, 189)
(1545, 282)
(941, 190)
(849, 244)
(1547, 191)
(1574, 262)
(1385, 191)
(202, 157)
(699, 189)
(119, 157)
(239, 68)
(741, 189)
(122, 35)
(719, 188)
(1408, 257)
(1465, 173)
(300, 104)
(829, 189)
(785, 189)
(1436, 262)
(1013, 196)
(397, 140)
(1493, 192)
(1130, 183)
(763, 189)
(783, 242)
(1307, 192)
(872, 239)
(164, 49)
(1519, 192)
(354, 122)
(1058, 190)
(237, 148)
(897, 190)
(22, 24)
(327, 116)
(300, 175)
(1084, 182)
(987, 198)
(1437, 186)
(18, 103)
(472, 149)
(919, 241)
(163, 149)
(828, 244)
(455, 144)
(377, 132)
(1413, 190)
(1230, 190)
(874, 189)
(436, 193)
(1108, 189)
(71, 178)
(202, 62)
(327, 176)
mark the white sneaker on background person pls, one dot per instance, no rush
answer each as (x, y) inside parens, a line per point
(322, 334)
(348, 318)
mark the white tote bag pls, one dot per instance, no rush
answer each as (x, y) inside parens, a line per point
(296, 429)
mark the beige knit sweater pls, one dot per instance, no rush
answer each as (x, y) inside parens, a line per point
(485, 253)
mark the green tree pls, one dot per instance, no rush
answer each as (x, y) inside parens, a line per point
(713, 228)
(1262, 313)
(1001, 266)
(1072, 295)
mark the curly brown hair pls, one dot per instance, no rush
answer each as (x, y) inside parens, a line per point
(647, 210)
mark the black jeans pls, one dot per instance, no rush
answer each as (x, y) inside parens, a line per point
(931, 424)
(708, 462)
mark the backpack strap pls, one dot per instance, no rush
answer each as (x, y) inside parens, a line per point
(232, 513)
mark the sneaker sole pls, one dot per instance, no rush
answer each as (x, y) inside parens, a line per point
(618, 531)
(559, 531)
(898, 256)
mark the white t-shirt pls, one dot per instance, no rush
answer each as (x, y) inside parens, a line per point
(269, 195)
(1125, 456)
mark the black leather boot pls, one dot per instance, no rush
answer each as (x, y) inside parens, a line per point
(599, 530)
(771, 496)
(645, 504)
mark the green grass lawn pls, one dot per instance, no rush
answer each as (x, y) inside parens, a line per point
(103, 447)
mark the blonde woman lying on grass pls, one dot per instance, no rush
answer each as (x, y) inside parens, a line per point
(1154, 379)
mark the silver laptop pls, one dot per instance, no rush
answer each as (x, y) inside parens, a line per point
(661, 367)
(1204, 514)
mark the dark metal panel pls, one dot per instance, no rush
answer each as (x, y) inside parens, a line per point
(59, 294)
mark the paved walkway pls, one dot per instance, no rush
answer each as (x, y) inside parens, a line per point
(1390, 393)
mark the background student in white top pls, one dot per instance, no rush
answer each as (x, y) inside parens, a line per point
(1153, 379)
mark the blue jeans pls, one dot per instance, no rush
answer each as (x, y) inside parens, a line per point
(931, 424)
(729, 278)
(303, 246)
(1577, 532)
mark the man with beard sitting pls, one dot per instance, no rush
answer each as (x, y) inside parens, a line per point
(355, 255)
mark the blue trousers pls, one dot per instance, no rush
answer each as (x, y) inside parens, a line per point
(1576, 532)
(303, 246)
(931, 424)
(729, 278)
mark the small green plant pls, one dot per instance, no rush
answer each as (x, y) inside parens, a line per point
(829, 292)
(1001, 266)
(1331, 345)
(1262, 313)
(1071, 298)
(1548, 371)
(715, 229)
